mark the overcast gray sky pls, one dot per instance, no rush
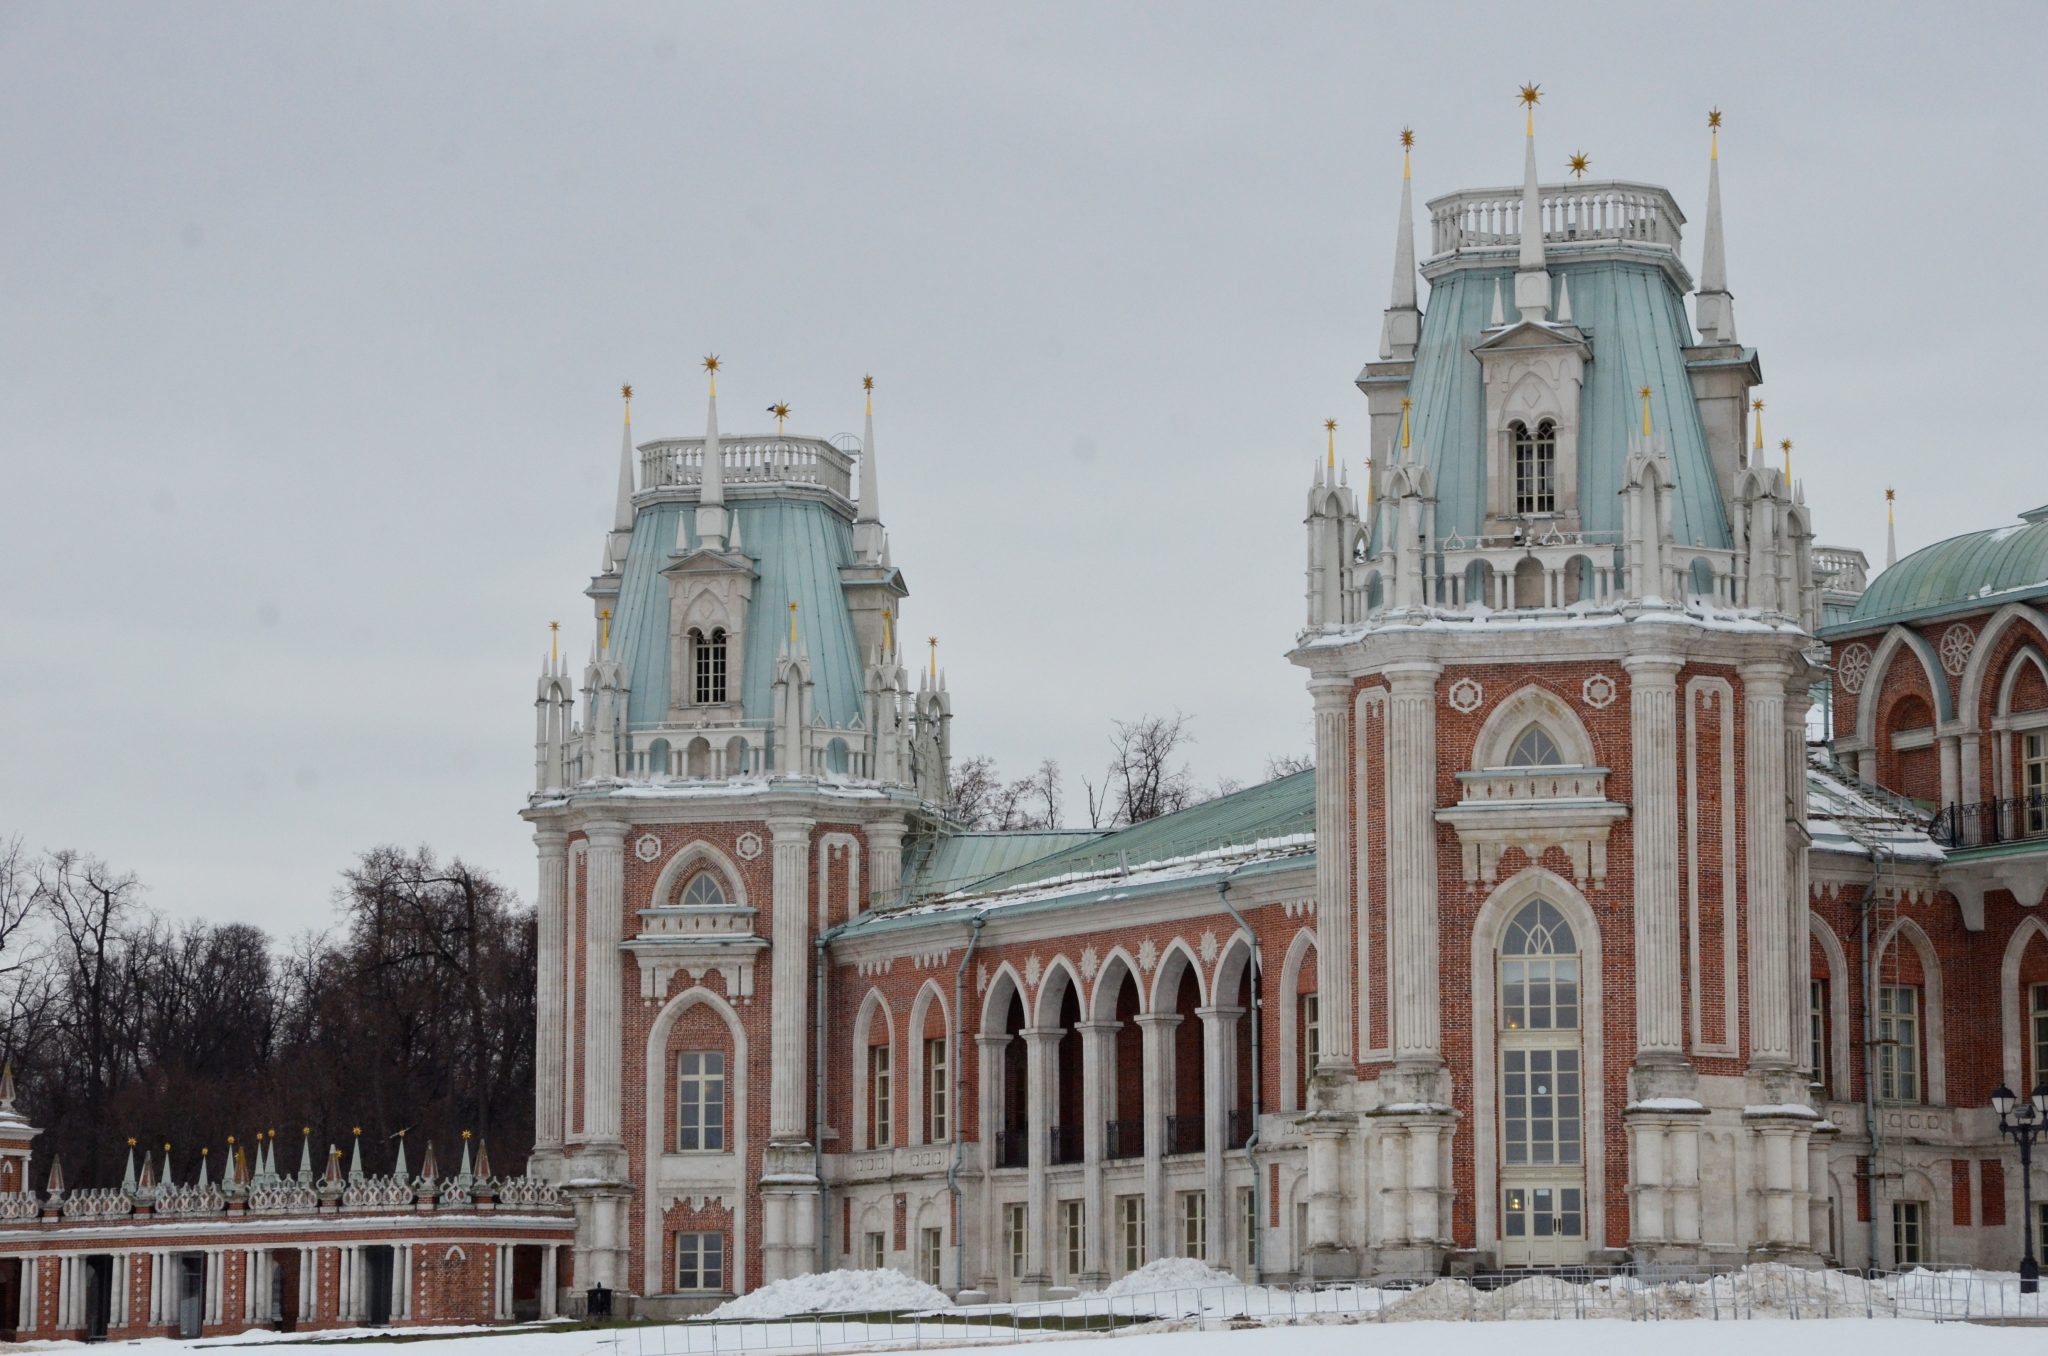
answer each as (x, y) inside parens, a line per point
(312, 319)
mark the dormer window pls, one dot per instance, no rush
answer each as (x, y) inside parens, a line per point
(710, 666)
(703, 892)
(1534, 747)
(1535, 466)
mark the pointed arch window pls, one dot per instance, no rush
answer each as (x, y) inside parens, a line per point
(704, 891)
(1534, 747)
(709, 652)
(1535, 466)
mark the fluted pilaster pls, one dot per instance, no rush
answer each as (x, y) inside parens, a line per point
(551, 1008)
(1334, 828)
(604, 921)
(791, 976)
(1411, 863)
(1653, 736)
(1767, 910)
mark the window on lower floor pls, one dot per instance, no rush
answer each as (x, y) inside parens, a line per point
(1311, 1041)
(935, 1090)
(1898, 1051)
(1130, 1230)
(1248, 1229)
(1194, 1225)
(930, 1255)
(2040, 1003)
(875, 1250)
(1909, 1233)
(700, 1261)
(1817, 1031)
(700, 1101)
(1014, 1218)
(878, 1097)
(1073, 1237)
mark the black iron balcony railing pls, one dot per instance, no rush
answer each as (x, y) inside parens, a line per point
(1012, 1148)
(1124, 1139)
(2011, 820)
(1239, 1132)
(1063, 1144)
(1185, 1134)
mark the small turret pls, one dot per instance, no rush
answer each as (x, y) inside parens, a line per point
(1402, 328)
(868, 534)
(711, 518)
(1714, 308)
(1532, 274)
(1333, 529)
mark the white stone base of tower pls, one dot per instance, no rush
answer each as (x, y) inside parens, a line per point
(790, 1195)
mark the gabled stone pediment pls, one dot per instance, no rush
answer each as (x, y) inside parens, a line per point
(1527, 334)
(702, 561)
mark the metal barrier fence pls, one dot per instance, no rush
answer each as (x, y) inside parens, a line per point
(1758, 1291)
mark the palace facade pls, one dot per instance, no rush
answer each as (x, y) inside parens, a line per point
(1660, 895)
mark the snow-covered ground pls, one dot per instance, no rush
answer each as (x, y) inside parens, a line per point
(1185, 1309)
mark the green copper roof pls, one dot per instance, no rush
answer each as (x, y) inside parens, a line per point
(1279, 809)
(799, 546)
(1635, 323)
(1976, 569)
(960, 859)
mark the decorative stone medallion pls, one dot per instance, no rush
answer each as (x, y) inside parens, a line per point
(1209, 948)
(1090, 963)
(1032, 970)
(1853, 667)
(647, 847)
(1956, 644)
(748, 846)
(1465, 696)
(1148, 955)
(1599, 691)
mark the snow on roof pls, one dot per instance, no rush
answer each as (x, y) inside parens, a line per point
(1844, 816)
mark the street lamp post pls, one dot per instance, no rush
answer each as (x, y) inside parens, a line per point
(2024, 1122)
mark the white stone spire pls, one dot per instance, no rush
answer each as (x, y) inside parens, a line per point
(867, 522)
(1532, 277)
(1715, 308)
(711, 492)
(622, 515)
(1403, 326)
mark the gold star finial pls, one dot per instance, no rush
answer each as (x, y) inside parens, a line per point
(1330, 424)
(1531, 95)
(792, 624)
(554, 649)
(1757, 407)
(780, 409)
(933, 641)
(711, 363)
(1407, 138)
(1406, 405)
(131, 1141)
(1645, 394)
(627, 390)
(1330, 427)
(605, 639)
(1785, 446)
(1714, 119)
(1890, 494)
(867, 383)
(1580, 163)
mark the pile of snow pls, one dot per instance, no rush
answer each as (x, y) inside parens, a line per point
(835, 1292)
(1171, 1273)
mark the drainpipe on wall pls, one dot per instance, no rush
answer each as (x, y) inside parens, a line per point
(1251, 1143)
(818, 1103)
(1868, 964)
(954, 1122)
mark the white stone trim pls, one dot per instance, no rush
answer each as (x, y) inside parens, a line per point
(914, 1038)
(1492, 920)
(1935, 1093)
(730, 1167)
(1839, 977)
(862, 1038)
(1290, 1016)
(2011, 1019)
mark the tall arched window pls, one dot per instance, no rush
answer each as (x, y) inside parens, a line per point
(1535, 467)
(710, 656)
(1543, 1174)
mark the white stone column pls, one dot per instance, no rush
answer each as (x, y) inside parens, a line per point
(550, 1280)
(1951, 769)
(1798, 895)
(551, 1007)
(1219, 1064)
(791, 966)
(990, 1050)
(1412, 864)
(1098, 1049)
(1653, 735)
(1334, 828)
(885, 862)
(1158, 1028)
(1770, 1034)
(1041, 1052)
(603, 1029)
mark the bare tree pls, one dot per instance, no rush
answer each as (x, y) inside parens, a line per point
(1146, 777)
(1287, 764)
(975, 787)
(1043, 790)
